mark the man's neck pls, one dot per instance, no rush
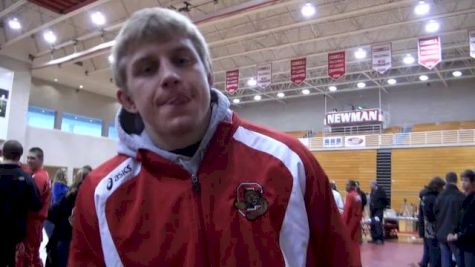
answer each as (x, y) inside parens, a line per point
(179, 141)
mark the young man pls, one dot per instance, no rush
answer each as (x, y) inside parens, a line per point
(18, 195)
(464, 234)
(447, 208)
(34, 233)
(377, 203)
(352, 214)
(193, 184)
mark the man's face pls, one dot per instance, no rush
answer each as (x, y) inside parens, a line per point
(467, 186)
(34, 162)
(168, 86)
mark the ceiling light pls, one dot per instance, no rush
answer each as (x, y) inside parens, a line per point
(408, 59)
(55, 80)
(50, 37)
(14, 24)
(305, 91)
(98, 18)
(457, 73)
(422, 8)
(361, 85)
(308, 10)
(360, 53)
(81, 86)
(392, 81)
(423, 78)
(111, 59)
(251, 82)
(432, 26)
(257, 97)
(280, 95)
(332, 88)
(236, 100)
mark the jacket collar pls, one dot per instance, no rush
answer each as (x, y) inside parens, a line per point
(134, 138)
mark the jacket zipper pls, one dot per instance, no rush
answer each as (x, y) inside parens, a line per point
(195, 183)
(196, 187)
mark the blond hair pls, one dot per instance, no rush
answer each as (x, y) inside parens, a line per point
(60, 176)
(154, 25)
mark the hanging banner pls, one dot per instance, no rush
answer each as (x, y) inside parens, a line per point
(232, 81)
(429, 52)
(298, 70)
(264, 75)
(336, 65)
(471, 37)
(381, 57)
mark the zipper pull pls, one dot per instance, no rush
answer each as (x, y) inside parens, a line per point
(195, 183)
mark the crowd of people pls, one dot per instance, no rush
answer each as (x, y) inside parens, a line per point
(31, 202)
(447, 221)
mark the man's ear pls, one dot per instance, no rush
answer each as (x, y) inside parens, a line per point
(126, 101)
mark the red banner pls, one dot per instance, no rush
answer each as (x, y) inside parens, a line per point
(429, 52)
(336, 64)
(232, 81)
(298, 70)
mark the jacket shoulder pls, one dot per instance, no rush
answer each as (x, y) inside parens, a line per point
(291, 142)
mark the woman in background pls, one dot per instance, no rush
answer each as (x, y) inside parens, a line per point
(60, 186)
(59, 214)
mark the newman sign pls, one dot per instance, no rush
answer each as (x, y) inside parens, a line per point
(365, 116)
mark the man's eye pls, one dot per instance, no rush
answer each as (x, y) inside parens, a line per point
(183, 61)
(147, 69)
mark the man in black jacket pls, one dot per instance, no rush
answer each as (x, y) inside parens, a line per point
(464, 234)
(377, 203)
(18, 195)
(446, 209)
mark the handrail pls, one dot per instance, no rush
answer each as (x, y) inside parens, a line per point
(392, 140)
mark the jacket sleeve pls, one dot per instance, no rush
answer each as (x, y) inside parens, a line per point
(85, 247)
(429, 208)
(329, 243)
(44, 186)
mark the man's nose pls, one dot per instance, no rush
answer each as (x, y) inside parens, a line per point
(170, 75)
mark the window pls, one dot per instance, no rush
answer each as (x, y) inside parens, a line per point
(41, 117)
(113, 131)
(81, 125)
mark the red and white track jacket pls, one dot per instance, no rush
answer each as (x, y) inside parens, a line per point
(249, 197)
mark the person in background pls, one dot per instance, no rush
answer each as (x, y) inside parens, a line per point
(352, 215)
(447, 208)
(29, 251)
(337, 197)
(464, 234)
(60, 215)
(435, 187)
(420, 221)
(18, 196)
(60, 185)
(193, 184)
(364, 199)
(377, 203)
(60, 188)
